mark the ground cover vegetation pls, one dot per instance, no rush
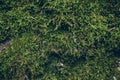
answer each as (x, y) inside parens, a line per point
(60, 39)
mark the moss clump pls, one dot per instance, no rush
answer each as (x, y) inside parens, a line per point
(59, 40)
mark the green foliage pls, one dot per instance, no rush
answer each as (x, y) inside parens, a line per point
(59, 39)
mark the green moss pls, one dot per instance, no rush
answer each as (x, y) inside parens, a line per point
(59, 40)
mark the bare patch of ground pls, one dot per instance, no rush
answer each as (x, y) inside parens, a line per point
(5, 45)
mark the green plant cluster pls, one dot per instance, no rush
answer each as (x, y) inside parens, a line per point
(60, 39)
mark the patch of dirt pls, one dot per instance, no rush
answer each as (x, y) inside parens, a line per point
(5, 45)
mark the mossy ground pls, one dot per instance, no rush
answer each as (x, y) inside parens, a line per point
(60, 39)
